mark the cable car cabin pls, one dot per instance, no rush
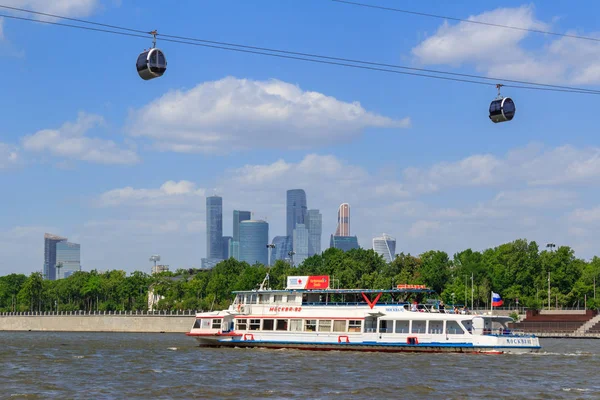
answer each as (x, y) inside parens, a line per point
(502, 110)
(151, 64)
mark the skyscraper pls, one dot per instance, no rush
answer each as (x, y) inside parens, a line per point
(344, 242)
(314, 225)
(227, 240)
(300, 238)
(68, 259)
(61, 258)
(295, 209)
(254, 237)
(386, 246)
(214, 227)
(343, 226)
(238, 216)
(283, 246)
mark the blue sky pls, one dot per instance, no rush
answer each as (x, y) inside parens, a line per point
(90, 151)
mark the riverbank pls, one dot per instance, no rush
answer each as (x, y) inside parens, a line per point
(98, 323)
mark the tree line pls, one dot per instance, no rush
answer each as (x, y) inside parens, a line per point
(518, 271)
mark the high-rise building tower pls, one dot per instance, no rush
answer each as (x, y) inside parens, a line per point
(61, 258)
(254, 237)
(214, 227)
(300, 238)
(344, 243)
(314, 222)
(238, 216)
(386, 246)
(295, 209)
(343, 226)
(68, 259)
(50, 242)
(227, 240)
(283, 247)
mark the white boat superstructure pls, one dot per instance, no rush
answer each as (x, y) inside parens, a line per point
(357, 320)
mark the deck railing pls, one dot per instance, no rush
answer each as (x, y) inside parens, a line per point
(142, 313)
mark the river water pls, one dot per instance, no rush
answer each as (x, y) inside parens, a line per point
(38, 365)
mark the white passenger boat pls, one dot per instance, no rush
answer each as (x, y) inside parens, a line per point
(309, 315)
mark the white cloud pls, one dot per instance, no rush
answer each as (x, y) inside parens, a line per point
(238, 114)
(67, 8)
(585, 216)
(69, 141)
(170, 192)
(9, 156)
(501, 52)
(536, 197)
(532, 165)
(1, 29)
(466, 42)
(422, 228)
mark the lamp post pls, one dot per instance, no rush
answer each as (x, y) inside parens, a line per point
(291, 254)
(270, 248)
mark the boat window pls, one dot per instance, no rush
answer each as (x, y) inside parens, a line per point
(251, 299)
(295, 325)
(453, 328)
(468, 325)
(216, 323)
(291, 298)
(325, 325)
(418, 327)
(436, 327)
(241, 324)
(354, 325)
(339, 325)
(310, 325)
(268, 324)
(402, 326)
(205, 323)
(383, 326)
(278, 298)
(254, 324)
(196, 324)
(263, 298)
(282, 325)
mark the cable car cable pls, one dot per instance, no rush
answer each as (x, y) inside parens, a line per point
(532, 86)
(470, 21)
(345, 60)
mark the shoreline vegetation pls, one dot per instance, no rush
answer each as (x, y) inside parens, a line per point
(516, 270)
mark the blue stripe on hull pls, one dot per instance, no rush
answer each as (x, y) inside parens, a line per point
(370, 346)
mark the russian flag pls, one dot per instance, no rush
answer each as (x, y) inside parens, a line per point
(496, 300)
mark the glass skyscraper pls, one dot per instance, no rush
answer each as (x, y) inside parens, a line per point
(61, 258)
(238, 216)
(254, 237)
(283, 246)
(50, 242)
(314, 223)
(214, 227)
(343, 226)
(386, 246)
(68, 259)
(227, 247)
(295, 209)
(344, 242)
(300, 244)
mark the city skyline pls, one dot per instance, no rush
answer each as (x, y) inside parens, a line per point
(129, 163)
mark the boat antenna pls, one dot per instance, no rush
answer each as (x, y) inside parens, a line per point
(265, 283)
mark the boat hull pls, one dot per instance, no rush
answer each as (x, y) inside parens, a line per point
(365, 347)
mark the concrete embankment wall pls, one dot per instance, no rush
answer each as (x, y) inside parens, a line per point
(97, 323)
